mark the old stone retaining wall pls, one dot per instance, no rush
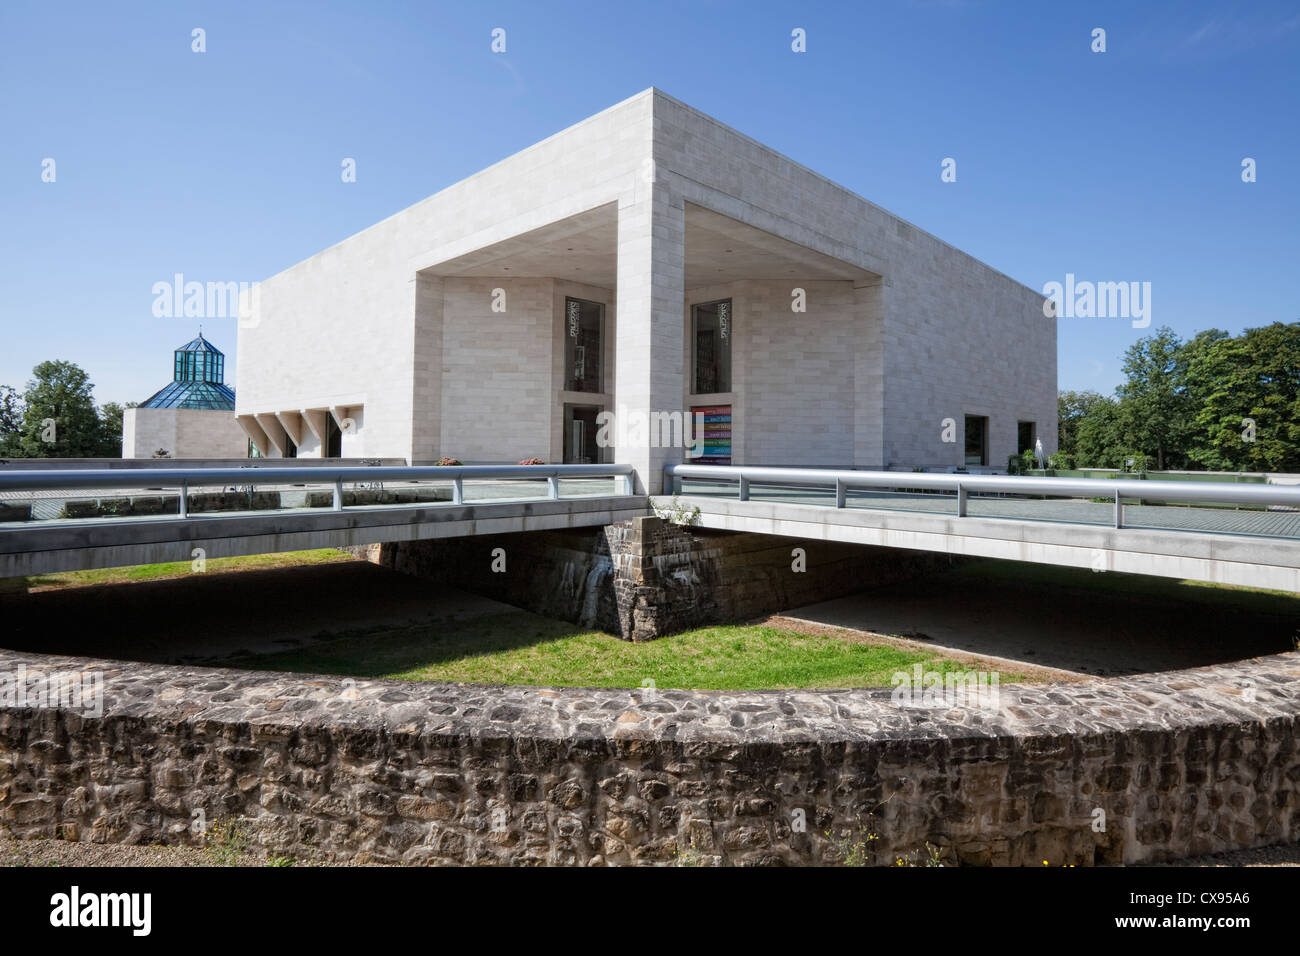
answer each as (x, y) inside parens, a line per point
(1178, 763)
(647, 577)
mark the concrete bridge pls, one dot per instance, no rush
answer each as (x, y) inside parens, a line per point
(1235, 533)
(113, 518)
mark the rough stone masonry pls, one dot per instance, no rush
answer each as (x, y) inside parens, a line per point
(648, 577)
(1178, 764)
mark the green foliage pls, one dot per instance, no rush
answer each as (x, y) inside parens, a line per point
(676, 512)
(850, 851)
(1155, 407)
(1255, 376)
(110, 430)
(11, 421)
(226, 842)
(931, 856)
(689, 856)
(1216, 402)
(1060, 461)
(1137, 462)
(1071, 409)
(56, 417)
(59, 418)
(1100, 437)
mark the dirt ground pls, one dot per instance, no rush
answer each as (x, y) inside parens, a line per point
(212, 617)
(61, 853)
(976, 661)
(1068, 630)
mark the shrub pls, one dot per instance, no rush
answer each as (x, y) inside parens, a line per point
(450, 461)
(1060, 460)
(676, 512)
(532, 461)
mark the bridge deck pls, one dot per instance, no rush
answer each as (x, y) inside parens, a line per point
(1257, 544)
(1267, 523)
(1224, 555)
(41, 547)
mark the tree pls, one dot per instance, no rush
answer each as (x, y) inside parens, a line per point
(11, 421)
(59, 420)
(1099, 440)
(1071, 409)
(1248, 398)
(110, 430)
(1216, 401)
(1156, 408)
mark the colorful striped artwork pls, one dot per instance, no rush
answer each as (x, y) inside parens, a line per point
(717, 434)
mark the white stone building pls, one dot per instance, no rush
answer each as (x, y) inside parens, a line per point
(192, 416)
(648, 260)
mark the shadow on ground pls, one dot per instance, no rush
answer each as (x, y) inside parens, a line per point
(1071, 619)
(218, 617)
(1068, 619)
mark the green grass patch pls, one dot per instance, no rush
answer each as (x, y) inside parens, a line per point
(521, 648)
(172, 569)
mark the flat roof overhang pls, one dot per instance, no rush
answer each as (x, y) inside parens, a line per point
(584, 248)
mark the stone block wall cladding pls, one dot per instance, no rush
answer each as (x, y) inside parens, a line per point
(496, 368)
(463, 774)
(922, 332)
(183, 433)
(647, 577)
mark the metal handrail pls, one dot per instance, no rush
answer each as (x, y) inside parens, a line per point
(54, 479)
(962, 485)
(183, 479)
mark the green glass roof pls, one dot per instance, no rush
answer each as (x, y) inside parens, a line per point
(192, 395)
(198, 379)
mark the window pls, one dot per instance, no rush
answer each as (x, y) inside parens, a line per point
(711, 330)
(333, 438)
(580, 432)
(199, 367)
(1025, 435)
(584, 326)
(977, 428)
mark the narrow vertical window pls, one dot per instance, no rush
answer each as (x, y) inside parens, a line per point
(977, 429)
(1026, 435)
(584, 324)
(333, 438)
(711, 334)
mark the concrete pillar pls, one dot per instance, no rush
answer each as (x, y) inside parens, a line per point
(649, 340)
(869, 375)
(426, 404)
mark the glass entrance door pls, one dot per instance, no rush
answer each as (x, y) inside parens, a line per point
(580, 435)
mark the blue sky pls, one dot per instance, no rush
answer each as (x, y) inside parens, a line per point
(225, 166)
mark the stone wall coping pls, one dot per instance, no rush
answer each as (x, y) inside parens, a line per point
(277, 703)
